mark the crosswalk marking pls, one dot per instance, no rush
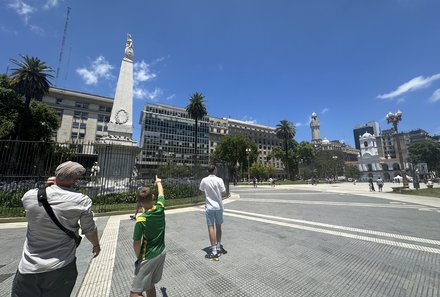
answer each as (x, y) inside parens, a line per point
(98, 278)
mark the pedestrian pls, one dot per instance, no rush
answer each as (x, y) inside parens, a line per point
(149, 242)
(214, 189)
(379, 183)
(48, 263)
(255, 182)
(271, 182)
(371, 184)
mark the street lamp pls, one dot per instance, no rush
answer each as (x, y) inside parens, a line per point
(335, 158)
(395, 118)
(248, 152)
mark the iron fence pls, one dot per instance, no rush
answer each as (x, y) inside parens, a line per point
(25, 165)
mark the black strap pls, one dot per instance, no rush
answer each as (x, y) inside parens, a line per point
(42, 197)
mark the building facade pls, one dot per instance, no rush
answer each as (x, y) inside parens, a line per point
(359, 130)
(167, 135)
(83, 116)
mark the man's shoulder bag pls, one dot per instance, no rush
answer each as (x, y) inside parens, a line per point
(42, 197)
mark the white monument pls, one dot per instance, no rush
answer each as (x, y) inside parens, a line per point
(117, 152)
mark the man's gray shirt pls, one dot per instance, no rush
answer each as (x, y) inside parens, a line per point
(47, 247)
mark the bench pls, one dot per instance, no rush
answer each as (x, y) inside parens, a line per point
(397, 189)
(429, 186)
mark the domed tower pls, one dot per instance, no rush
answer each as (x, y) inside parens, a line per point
(314, 125)
(368, 145)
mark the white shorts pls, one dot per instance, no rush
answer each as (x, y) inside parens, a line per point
(150, 273)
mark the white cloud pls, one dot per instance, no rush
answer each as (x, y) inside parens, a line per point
(99, 68)
(435, 96)
(142, 93)
(248, 119)
(324, 110)
(51, 4)
(6, 30)
(142, 72)
(299, 124)
(22, 9)
(401, 100)
(170, 97)
(416, 83)
(34, 28)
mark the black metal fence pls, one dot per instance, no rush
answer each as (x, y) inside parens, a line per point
(26, 165)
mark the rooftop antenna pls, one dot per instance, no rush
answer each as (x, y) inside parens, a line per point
(62, 45)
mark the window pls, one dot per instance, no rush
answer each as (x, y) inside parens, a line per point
(82, 105)
(102, 128)
(105, 108)
(103, 118)
(75, 135)
(58, 101)
(81, 115)
(365, 144)
(79, 125)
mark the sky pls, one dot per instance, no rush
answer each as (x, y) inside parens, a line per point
(262, 61)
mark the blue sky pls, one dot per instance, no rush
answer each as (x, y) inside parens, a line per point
(350, 61)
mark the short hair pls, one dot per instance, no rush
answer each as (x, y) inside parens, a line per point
(144, 194)
(69, 170)
(211, 169)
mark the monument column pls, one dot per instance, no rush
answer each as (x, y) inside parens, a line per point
(117, 152)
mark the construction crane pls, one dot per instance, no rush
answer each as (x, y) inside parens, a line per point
(62, 45)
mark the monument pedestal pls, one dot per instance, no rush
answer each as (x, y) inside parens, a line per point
(117, 161)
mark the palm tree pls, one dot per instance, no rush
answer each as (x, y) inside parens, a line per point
(286, 131)
(31, 80)
(196, 110)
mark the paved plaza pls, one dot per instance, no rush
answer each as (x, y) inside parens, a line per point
(302, 240)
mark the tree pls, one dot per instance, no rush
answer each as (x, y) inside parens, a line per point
(426, 151)
(305, 152)
(232, 150)
(31, 80)
(329, 163)
(285, 131)
(352, 171)
(196, 110)
(40, 121)
(10, 106)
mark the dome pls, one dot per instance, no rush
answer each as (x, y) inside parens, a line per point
(366, 135)
(313, 114)
(325, 141)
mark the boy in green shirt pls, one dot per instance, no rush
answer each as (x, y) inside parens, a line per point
(149, 242)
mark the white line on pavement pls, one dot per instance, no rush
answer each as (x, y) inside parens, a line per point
(333, 203)
(342, 234)
(365, 231)
(98, 279)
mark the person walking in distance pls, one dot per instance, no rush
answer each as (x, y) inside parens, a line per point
(379, 183)
(149, 242)
(48, 264)
(214, 189)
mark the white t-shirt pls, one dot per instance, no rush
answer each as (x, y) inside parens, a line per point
(213, 187)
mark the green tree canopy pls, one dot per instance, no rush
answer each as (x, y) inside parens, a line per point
(39, 123)
(31, 80)
(426, 151)
(232, 149)
(305, 152)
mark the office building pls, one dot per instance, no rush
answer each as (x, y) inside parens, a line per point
(359, 130)
(83, 116)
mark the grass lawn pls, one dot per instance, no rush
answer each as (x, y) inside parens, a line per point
(434, 192)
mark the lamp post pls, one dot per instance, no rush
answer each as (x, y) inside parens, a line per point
(335, 158)
(395, 118)
(248, 152)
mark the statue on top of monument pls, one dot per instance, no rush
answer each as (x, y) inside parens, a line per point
(129, 47)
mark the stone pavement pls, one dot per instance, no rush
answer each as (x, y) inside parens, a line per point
(301, 240)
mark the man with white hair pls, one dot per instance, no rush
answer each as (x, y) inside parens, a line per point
(48, 264)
